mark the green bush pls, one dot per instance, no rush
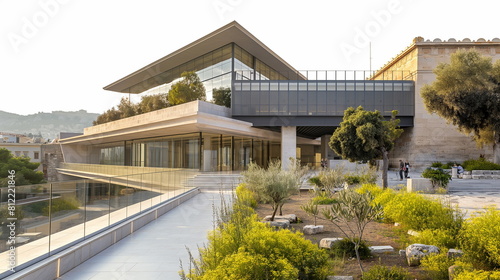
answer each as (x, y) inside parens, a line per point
(437, 164)
(417, 212)
(436, 265)
(244, 248)
(345, 249)
(246, 266)
(245, 196)
(352, 179)
(438, 177)
(316, 181)
(480, 164)
(480, 239)
(442, 238)
(323, 199)
(378, 272)
(477, 275)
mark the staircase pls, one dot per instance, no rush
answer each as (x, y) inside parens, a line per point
(214, 180)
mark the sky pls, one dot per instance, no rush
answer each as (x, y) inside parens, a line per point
(59, 54)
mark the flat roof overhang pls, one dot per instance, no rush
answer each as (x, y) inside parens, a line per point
(193, 117)
(310, 127)
(230, 33)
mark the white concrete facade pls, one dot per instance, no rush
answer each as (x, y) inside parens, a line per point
(288, 145)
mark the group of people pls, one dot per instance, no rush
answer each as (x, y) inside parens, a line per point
(404, 168)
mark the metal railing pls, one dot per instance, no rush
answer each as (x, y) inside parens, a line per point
(339, 75)
(47, 218)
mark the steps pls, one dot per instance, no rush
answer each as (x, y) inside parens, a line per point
(214, 180)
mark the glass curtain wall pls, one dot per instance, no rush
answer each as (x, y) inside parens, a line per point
(203, 151)
(214, 70)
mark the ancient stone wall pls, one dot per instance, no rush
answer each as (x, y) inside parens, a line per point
(432, 139)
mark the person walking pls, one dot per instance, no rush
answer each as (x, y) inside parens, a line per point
(407, 169)
(401, 169)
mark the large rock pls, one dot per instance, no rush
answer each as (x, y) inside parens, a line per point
(291, 217)
(327, 243)
(415, 252)
(312, 229)
(279, 223)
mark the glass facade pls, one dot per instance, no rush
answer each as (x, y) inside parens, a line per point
(202, 151)
(214, 70)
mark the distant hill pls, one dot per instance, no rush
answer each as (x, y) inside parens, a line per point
(47, 124)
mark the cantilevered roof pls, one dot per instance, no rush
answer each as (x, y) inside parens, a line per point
(230, 33)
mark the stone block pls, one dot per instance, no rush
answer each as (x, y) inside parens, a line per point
(339, 278)
(290, 217)
(312, 229)
(413, 233)
(279, 223)
(381, 249)
(328, 242)
(415, 252)
(419, 185)
(454, 253)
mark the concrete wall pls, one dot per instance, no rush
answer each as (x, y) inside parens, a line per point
(432, 139)
(19, 150)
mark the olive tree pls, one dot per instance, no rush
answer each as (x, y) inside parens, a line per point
(271, 185)
(466, 93)
(351, 213)
(365, 136)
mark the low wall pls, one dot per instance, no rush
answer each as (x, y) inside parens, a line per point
(58, 264)
(419, 185)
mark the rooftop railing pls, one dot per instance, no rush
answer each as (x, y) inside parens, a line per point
(338, 75)
(47, 218)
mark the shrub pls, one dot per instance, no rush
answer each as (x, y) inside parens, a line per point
(480, 164)
(352, 179)
(438, 177)
(437, 164)
(323, 199)
(378, 272)
(417, 212)
(345, 249)
(243, 248)
(243, 265)
(442, 238)
(316, 181)
(245, 196)
(478, 275)
(480, 239)
(437, 265)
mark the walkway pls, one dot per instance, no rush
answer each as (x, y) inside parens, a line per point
(154, 251)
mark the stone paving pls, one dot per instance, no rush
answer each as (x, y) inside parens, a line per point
(471, 195)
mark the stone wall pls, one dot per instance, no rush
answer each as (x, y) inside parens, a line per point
(432, 139)
(51, 157)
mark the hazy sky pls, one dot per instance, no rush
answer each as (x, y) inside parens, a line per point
(59, 54)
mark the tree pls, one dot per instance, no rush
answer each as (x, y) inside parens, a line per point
(272, 184)
(354, 211)
(365, 136)
(151, 103)
(188, 89)
(222, 96)
(25, 170)
(466, 93)
(124, 110)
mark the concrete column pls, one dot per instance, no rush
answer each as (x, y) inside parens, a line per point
(288, 145)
